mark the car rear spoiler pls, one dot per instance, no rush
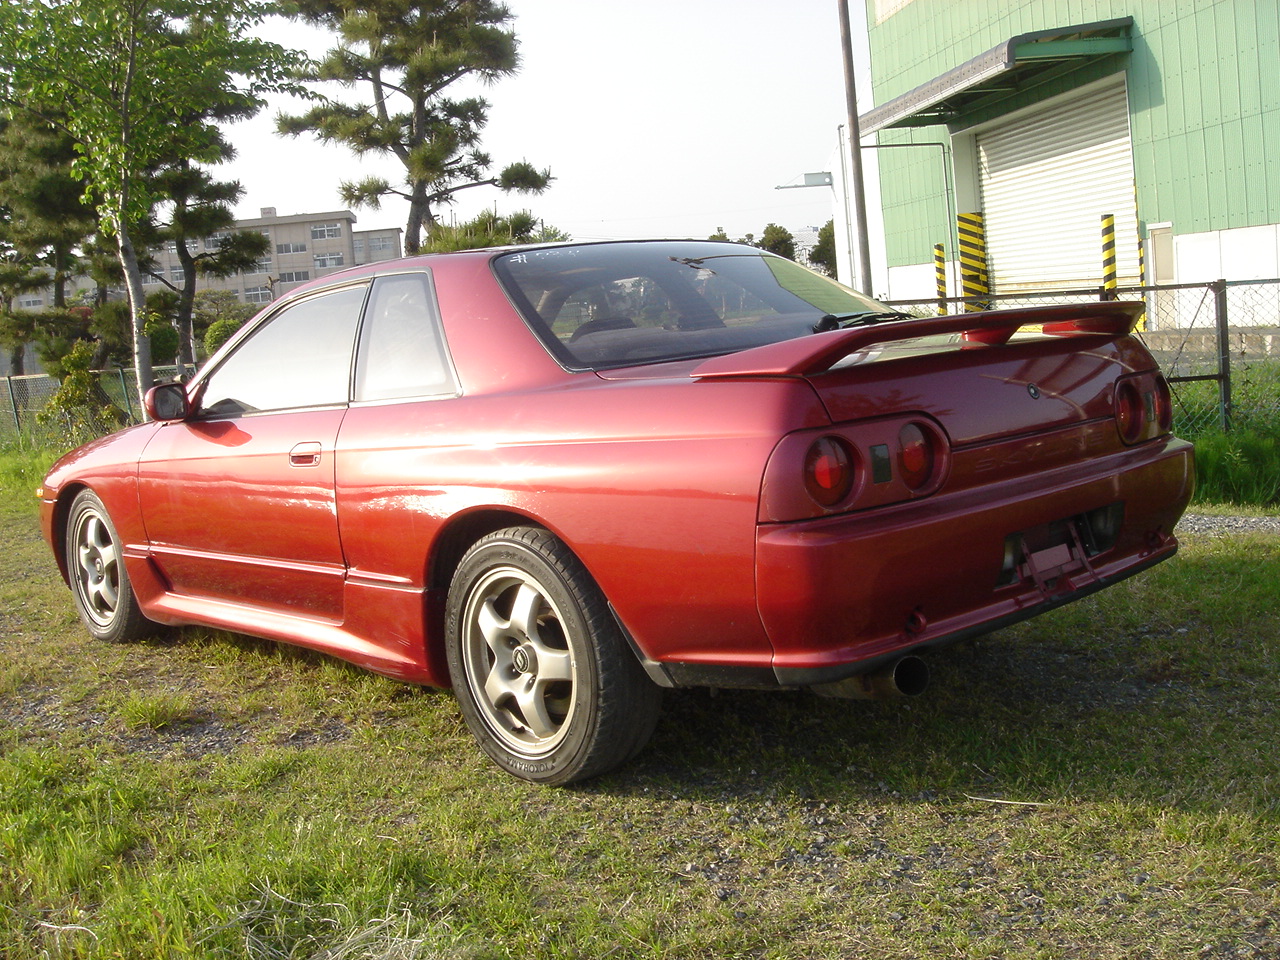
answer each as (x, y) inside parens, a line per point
(804, 356)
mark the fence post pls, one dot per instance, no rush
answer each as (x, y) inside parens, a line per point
(1108, 256)
(940, 277)
(13, 403)
(1219, 288)
(973, 261)
(124, 389)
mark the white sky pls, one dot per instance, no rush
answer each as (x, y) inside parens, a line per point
(657, 118)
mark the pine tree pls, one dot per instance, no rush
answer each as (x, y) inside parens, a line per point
(406, 54)
(49, 215)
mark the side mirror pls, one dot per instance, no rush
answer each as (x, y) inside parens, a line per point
(167, 402)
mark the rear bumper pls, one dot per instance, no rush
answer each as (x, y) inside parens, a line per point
(841, 595)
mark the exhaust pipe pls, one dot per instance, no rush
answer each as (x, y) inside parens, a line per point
(905, 677)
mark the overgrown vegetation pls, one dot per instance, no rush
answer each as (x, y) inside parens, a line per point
(1099, 783)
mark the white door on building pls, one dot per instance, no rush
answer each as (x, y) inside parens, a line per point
(1047, 175)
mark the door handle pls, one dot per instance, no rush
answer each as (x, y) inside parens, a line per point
(305, 454)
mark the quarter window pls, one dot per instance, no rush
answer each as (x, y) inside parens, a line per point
(402, 353)
(301, 357)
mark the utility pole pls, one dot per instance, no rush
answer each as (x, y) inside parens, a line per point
(855, 149)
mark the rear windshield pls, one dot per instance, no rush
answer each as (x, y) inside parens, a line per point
(619, 304)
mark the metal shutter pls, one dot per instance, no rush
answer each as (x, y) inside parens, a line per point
(1047, 178)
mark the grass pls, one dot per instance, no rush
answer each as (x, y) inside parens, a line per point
(1103, 783)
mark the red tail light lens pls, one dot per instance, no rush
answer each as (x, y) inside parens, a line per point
(1130, 412)
(1164, 405)
(915, 456)
(829, 471)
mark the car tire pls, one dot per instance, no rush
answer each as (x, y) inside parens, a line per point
(100, 584)
(544, 678)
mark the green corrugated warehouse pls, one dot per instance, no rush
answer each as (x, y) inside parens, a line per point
(1045, 115)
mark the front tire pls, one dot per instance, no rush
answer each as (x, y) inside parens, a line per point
(544, 679)
(99, 581)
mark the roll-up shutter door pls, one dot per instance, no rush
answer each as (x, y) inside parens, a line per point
(1047, 178)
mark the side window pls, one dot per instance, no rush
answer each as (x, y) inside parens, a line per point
(402, 353)
(301, 357)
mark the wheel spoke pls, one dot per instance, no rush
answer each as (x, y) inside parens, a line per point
(533, 705)
(495, 629)
(553, 664)
(498, 686)
(524, 612)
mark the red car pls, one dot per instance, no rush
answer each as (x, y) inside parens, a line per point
(561, 478)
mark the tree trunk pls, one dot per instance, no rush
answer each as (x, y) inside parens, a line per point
(419, 213)
(143, 375)
(186, 306)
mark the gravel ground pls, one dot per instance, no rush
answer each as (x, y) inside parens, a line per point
(1223, 526)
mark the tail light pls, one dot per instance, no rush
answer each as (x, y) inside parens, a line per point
(915, 456)
(871, 463)
(1130, 416)
(1164, 405)
(1143, 407)
(829, 470)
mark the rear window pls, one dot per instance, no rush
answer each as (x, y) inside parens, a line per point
(618, 304)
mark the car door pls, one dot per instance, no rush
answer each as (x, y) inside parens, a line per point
(238, 499)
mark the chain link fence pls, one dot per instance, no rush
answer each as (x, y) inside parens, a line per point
(1218, 344)
(26, 417)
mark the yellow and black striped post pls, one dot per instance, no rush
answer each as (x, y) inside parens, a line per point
(940, 274)
(973, 261)
(1108, 256)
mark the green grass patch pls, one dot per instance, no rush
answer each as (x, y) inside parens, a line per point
(1242, 466)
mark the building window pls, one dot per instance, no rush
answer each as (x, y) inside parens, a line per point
(291, 248)
(381, 244)
(177, 274)
(215, 241)
(30, 303)
(328, 260)
(325, 231)
(295, 276)
(358, 246)
(257, 295)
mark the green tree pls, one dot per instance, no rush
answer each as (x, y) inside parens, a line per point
(200, 208)
(49, 215)
(124, 75)
(491, 230)
(778, 240)
(19, 274)
(406, 54)
(823, 255)
(215, 306)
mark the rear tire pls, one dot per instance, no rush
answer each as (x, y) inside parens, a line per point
(99, 581)
(544, 678)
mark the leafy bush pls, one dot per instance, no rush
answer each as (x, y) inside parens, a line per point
(219, 332)
(80, 406)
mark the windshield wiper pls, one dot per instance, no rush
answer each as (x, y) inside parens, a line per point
(864, 318)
